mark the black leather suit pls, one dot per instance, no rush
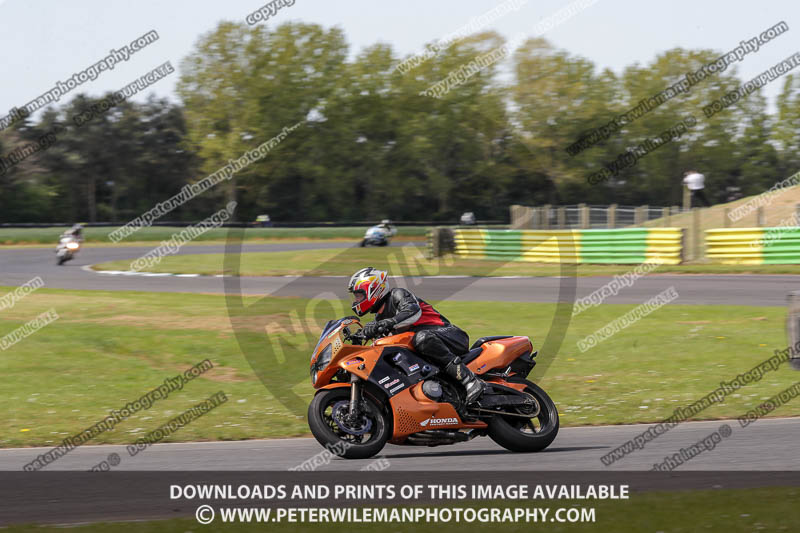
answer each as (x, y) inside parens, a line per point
(435, 337)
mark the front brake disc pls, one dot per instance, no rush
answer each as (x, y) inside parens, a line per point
(341, 415)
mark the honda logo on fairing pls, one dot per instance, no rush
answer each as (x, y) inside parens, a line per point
(438, 421)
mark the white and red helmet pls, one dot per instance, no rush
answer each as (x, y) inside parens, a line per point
(368, 286)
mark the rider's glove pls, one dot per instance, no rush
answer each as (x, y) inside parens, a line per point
(386, 325)
(372, 329)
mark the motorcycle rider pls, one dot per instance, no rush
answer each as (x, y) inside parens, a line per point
(387, 225)
(76, 232)
(399, 310)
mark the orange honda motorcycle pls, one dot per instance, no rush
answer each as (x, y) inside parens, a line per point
(368, 395)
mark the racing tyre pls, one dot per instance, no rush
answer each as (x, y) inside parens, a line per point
(527, 434)
(351, 439)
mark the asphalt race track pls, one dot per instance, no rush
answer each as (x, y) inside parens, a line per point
(19, 265)
(767, 444)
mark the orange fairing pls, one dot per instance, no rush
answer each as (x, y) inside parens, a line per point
(401, 339)
(500, 353)
(361, 360)
(358, 360)
(414, 412)
(350, 358)
(339, 352)
(510, 384)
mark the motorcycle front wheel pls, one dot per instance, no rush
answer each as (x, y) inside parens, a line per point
(351, 439)
(527, 434)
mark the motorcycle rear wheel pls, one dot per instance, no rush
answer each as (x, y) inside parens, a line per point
(340, 439)
(523, 434)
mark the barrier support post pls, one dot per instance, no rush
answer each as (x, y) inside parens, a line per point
(515, 213)
(584, 216)
(562, 218)
(638, 216)
(611, 216)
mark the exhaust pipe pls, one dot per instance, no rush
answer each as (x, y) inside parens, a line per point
(436, 437)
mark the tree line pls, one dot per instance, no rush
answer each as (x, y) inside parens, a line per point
(376, 143)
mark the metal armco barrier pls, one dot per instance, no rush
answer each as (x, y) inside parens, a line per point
(754, 246)
(630, 245)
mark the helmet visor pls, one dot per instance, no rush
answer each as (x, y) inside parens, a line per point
(359, 296)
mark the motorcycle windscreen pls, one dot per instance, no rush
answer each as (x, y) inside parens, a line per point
(330, 327)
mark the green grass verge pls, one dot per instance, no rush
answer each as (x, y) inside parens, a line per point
(410, 260)
(731, 511)
(109, 348)
(9, 236)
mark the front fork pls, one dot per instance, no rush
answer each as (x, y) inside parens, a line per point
(355, 397)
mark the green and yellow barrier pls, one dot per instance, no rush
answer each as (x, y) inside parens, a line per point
(629, 245)
(754, 246)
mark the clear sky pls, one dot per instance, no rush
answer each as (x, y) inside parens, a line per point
(48, 40)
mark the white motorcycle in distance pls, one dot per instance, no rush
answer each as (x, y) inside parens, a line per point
(68, 246)
(379, 235)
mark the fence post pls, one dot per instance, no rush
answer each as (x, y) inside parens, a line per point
(546, 216)
(687, 198)
(637, 216)
(584, 216)
(665, 216)
(525, 215)
(726, 221)
(562, 217)
(611, 216)
(760, 223)
(514, 212)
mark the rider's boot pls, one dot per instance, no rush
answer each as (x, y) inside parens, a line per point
(473, 385)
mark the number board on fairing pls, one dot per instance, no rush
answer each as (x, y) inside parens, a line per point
(394, 378)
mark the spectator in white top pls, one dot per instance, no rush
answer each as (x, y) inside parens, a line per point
(696, 183)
